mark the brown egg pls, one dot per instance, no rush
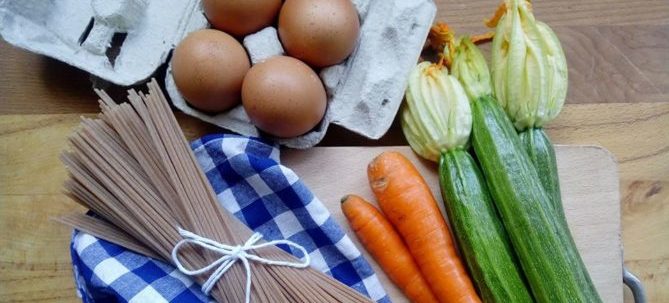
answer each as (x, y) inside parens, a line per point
(208, 68)
(283, 97)
(319, 32)
(241, 17)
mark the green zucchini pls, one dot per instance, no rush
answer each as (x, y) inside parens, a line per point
(478, 230)
(542, 154)
(541, 239)
(437, 124)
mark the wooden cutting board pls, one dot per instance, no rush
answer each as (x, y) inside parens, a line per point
(588, 178)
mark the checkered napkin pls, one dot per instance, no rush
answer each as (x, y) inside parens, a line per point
(266, 196)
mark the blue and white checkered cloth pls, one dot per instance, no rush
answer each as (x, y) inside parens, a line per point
(265, 195)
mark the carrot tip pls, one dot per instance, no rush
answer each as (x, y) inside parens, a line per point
(343, 199)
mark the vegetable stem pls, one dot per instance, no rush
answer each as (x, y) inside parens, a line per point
(542, 154)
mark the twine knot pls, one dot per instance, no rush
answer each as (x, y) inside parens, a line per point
(229, 255)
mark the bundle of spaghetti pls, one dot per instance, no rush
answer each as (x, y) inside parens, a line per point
(133, 167)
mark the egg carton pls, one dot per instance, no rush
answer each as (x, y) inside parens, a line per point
(121, 41)
(365, 91)
(125, 41)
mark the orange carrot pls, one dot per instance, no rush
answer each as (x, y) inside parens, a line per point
(409, 205)
(385, 245)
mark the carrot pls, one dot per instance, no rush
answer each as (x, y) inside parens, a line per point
(409, 205)
(385, 245)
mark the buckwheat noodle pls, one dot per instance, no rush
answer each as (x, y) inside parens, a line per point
(133, 167)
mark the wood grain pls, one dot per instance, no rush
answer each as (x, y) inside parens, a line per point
(34, 84)
(638, 136)
(617, 51)
(31, 83)
(645, 213)
(35, 265)
(36, 250)
(588, 178)
(616, 64)
(561, 12)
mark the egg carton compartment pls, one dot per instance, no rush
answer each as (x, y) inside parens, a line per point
(121, 41)
(365, 91)
(125, 41)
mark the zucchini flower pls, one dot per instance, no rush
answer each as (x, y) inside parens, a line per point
(529, 69)
(441, 39)
(437, 116)
(470, 68)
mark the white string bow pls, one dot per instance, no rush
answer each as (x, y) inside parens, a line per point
(229, 255)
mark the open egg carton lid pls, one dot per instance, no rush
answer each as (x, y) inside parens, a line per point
(121, 41)
(364, 92)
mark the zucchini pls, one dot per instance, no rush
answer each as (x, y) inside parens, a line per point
(479, 231)
(540, 238)
(541, 153)
(437, 124)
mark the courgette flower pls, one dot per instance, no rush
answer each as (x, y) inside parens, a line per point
(529, 69)
(470, 68)
(437, 116)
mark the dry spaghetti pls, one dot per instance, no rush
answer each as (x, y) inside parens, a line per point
(133, 167)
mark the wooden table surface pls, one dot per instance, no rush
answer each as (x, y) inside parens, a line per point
(618, 54)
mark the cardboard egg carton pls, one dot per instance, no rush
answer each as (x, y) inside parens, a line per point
(121, 41)
(364, 92)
